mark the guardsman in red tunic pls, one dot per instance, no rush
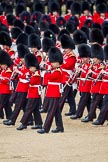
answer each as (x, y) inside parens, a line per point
(101, 10)
(53, 92)
(33, 95)
(5, 89)
(97, 55)
(34, 44)
(47, 43)
(54, 9)
(103, 115)
(84, 85)
(86, 13)
(68, 10)
(68, 69)
(22, 86)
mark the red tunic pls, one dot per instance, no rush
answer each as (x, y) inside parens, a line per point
(47, 67)
(38, 56)
(53, 18)
(104, 84)
(82, 20)
(67, 17)
(68, 66)
(95, 87)
(5, 81)
(84, 85)
(23, 82)
(34, 85)
(54, 80)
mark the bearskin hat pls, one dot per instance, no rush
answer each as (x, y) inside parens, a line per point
(67, 42)
(96, 35)
(88, 23)
(45, 18)
(99, 2)
(76, 8)
(62, 32)
(36, 16)
(47, 43)
(15, 32)
(74, 20)
(97, 51)
(10, 19)
(84, 50)
(96, 25)
(8, 9)
(48, 33)
(68, 4)
(101, 8)
(29, 29)
(71, 27)
(106, 52)
(54, 28)
(35, 26)
(55, 55)
(1, 10)
(85, 29)
(31, 60)
(19, 9)
(5, 39)
(61, 22)
(22, 38)
(79, 37)
(3, 27)
(22, 50)
(54, 6)
(43, 25)
(25, 16)
(39, 6)
(5, 58)
(34, 41)
(19, 23)
(105, 30)
(85, 6)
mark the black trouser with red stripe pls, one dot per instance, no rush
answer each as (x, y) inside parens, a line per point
(85, 100)
(53, 111)
(103, 115)
(68, 94)
(32, 107)
(95, 100)
(20, 103)
(4, 103)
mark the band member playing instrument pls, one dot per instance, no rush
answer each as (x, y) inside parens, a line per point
(53, 92)
(97, 55)
(85, 98)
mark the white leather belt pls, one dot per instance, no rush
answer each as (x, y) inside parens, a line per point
(54, 83)
(34, 85)
(23, 80)
(68, 71)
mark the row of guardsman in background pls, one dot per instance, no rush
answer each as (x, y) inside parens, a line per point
(57, 60)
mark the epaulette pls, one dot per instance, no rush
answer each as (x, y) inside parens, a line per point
(36, 74)
(11, 50)
(102, 66)
(8, 70)
(71, 54)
